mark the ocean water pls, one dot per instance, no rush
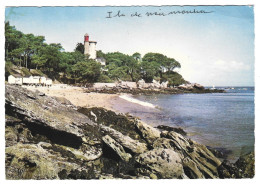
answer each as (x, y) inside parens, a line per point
(219, 120)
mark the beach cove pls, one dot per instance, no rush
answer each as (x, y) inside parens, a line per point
(200, 115)
(97, 143)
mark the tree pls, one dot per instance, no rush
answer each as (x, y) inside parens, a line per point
(126, 66)
(173, 78)
(12, 40)
(170, 64)
(159, 64)
(38, 61)
(80, 48)
(100, 54)
(137, 56)
(87, 71)
(52, 55)
(149, 70)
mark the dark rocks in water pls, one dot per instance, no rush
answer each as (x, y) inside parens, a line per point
(228, 170)
(202, 159)
(244, 167)
(135, 91)
(175, 129)
(220, 152)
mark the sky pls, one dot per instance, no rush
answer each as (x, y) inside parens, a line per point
(214, 48)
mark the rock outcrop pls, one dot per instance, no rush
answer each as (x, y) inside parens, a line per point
(49, 138)
(149, 88)
(160, 163)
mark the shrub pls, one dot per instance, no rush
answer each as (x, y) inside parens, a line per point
(104, 79)
(25, 72)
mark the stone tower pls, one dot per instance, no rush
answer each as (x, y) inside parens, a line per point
(90, 47)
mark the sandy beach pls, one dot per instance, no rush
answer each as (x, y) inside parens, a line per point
(77, 96)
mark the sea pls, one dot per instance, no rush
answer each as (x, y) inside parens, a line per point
(224, 121)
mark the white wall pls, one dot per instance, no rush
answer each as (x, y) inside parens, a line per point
(86, 47)
(11, 79)
(92, 50)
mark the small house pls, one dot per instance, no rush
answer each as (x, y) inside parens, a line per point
(43, 80)
(48, 82)
(102, 61)
(27, 80)
(35, 80)
(15, 79)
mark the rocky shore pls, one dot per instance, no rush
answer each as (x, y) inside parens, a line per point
(151, 88)
(50, 138)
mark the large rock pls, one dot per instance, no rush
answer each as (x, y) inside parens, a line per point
(175, 129)
(116, 147)
(43, 161)
(44, 111)
(246, 165)
(149, 133)
(200, 158)
(34, 120)
(160, 163)
(134, 145)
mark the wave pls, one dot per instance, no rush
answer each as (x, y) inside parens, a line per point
(127, 98)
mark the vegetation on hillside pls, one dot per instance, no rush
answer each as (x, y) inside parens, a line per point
(27, 52)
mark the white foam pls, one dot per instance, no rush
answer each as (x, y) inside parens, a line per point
(127, 98)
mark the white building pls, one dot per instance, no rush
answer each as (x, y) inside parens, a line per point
(90, 47)
(43, 80)
(48, 82)
(15, 79)
(102, 61)
(29, 80)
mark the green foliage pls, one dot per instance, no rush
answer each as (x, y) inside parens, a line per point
(137, 56)
(87, 71)
(8, 69)
(37, 72)
(25, 72)
(31, 52)
(149, 70)
(155, 64)
(117, 73)
(174, 78)
(100, 54)
(80, 48)
(123, 67)
(104, 79)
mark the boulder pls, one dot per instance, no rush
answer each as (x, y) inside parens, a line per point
(134, 145)
(198, 86)
(203, 159)
(191, 169)
(116, 147)
(175, 129)
(164, 84)
(30, 162)
(148, 132)
(186, 87)
(160, 163)
(228, 170)
(246, 165)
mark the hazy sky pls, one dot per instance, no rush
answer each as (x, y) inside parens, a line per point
(214, 48)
